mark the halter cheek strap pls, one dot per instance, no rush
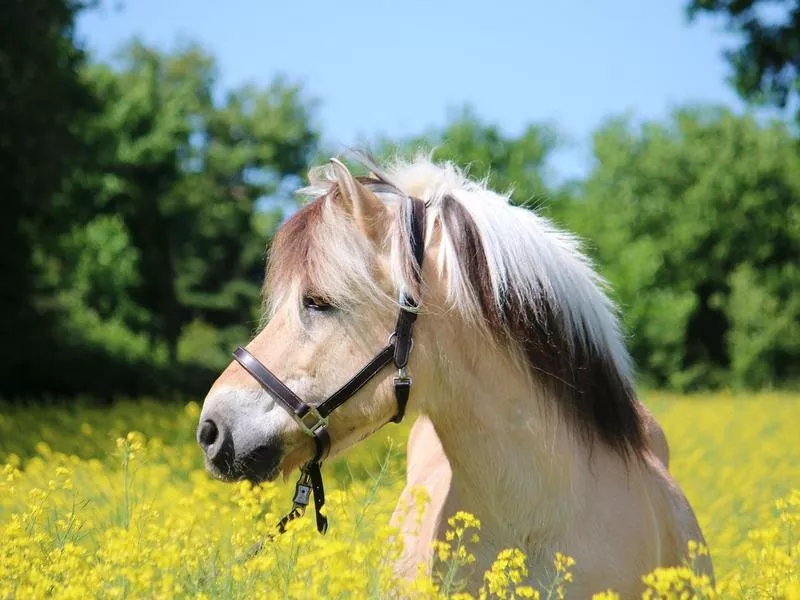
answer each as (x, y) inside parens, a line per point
(313, 420)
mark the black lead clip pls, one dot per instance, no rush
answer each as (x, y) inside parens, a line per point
(302, 491)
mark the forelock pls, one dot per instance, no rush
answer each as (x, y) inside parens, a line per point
(320, 252)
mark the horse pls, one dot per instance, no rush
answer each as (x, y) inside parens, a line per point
(528, 418)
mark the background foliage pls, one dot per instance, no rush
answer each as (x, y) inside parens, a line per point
(137, 200)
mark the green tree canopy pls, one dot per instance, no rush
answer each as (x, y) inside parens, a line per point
(42, 102)
(696, 223)
(186, 174)
(159, 260)
(766, 66)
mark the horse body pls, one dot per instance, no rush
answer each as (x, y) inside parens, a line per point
(645, 526)
(530, 419)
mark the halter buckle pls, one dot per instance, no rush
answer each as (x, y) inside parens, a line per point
(312, 421)
(402, 375)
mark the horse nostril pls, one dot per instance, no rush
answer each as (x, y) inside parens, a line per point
(207, 433)
(217, 443)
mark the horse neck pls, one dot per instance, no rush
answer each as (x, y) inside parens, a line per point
(514, 463)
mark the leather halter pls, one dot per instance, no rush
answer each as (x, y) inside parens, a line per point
(313, 419)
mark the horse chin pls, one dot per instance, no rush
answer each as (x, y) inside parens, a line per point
(258, 478)
(261, 464)
(254, 477)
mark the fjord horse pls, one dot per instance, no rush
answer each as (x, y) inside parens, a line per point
(529, 416)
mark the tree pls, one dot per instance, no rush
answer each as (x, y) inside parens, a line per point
(766, 67)
(181, 178)
(697, 226)
(140, 226)
(42, 103)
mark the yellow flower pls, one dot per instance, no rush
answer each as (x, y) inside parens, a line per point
(83, 515)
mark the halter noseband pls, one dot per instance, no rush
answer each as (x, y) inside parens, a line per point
(313, 420)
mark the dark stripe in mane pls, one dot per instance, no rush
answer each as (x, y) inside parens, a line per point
(590, 391)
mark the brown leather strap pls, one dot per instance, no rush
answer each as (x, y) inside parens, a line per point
(322, 444)
(370, 370)
(275, 386)
(319, 496)
(406, 318)
(402, 389)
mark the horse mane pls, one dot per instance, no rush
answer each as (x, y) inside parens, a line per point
(508, 271)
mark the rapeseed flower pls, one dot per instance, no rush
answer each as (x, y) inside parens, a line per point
(115, 503)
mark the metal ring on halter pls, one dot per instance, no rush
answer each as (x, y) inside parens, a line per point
(393, 336)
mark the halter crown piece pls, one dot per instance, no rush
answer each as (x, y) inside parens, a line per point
(313, 420)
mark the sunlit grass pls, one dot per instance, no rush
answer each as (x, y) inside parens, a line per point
(115, 503)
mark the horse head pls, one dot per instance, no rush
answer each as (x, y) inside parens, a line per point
(339, 271)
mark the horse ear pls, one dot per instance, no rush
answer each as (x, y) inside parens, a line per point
(367, 209)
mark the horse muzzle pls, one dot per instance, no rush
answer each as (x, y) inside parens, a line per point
(231, 459)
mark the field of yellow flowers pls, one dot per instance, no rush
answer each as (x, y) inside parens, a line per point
(114, 503)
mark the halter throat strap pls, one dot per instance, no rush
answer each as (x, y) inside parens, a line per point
(313, 419)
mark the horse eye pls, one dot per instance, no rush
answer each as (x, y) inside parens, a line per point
(315, 303)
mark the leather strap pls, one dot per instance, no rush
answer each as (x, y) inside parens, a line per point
(370, 370)
(402, 338)
(407, 316)
(402, 389)
(292, 403)
(322, 444)
(319, 495)
(275, 386)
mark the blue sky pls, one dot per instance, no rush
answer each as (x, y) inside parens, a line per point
(399, 67)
